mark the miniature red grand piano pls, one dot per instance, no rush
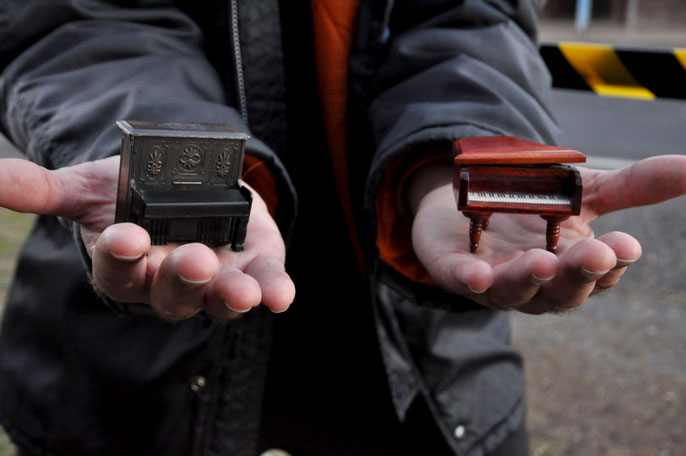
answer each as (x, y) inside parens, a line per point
(508, 174)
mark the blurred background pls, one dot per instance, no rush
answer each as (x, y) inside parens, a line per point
(635, 22)
(609, 378)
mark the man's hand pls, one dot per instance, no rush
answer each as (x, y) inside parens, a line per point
(178, 281)
(510, 269)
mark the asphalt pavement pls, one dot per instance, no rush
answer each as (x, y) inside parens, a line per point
(610, 377)
(619, 128)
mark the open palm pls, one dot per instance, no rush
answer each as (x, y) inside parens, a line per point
(177, 280)
(511, 270)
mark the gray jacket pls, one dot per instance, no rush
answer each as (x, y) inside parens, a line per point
(80, 376)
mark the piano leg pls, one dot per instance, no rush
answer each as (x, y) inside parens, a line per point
(240, 230)
(552, 232)
(477, 223)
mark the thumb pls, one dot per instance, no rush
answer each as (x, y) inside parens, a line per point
(27, 187)
(649, 181)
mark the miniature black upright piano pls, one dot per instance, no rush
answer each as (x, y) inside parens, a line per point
(180, 182)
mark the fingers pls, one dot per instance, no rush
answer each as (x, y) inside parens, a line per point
(581, 266)
(518, 281)
(178, 289)
(179, 282)
(126, 269)
(27, 187)
(263, 281)
(278, 290)
(538, 281)
(119, 262)
(627, 250)
(231, 294)
(648, 181)
(70, 192)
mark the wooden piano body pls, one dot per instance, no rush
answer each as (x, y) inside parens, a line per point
(507, 174)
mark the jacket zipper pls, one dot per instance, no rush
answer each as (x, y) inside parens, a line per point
(238, 61)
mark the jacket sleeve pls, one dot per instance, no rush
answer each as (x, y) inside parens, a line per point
(71, 68)
(451, 70)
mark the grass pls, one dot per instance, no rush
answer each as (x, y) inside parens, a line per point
(6, 447)
(13, 230)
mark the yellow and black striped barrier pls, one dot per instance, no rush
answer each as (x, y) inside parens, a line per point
(614, 71)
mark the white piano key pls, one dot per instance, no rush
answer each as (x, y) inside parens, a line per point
(520, 198)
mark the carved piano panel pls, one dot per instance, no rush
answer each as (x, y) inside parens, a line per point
(506, 174)
(180, 182)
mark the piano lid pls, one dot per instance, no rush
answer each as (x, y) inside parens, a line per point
(509, 150)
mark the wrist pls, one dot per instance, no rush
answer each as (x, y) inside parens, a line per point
(425, 181)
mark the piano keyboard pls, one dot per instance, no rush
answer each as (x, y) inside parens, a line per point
(519, 198)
